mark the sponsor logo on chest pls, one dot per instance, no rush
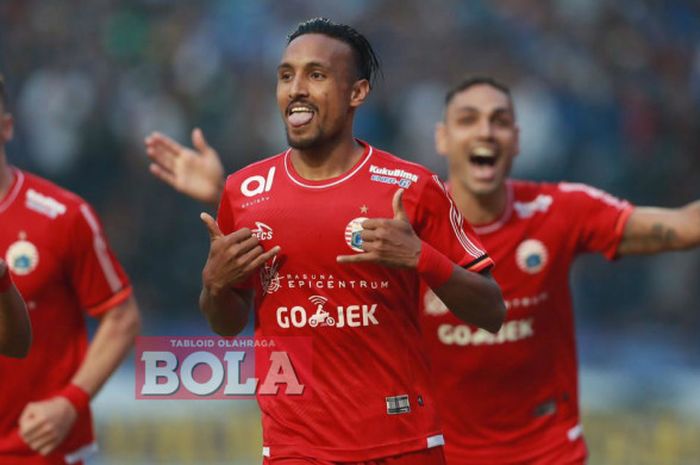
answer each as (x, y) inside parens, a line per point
(317, 315)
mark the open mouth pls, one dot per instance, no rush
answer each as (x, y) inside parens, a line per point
(300, 114)
(483, 156)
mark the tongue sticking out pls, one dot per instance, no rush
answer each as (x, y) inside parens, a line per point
(300, 118)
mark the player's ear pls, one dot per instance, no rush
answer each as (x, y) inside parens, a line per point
(360, 91)
(440, 138)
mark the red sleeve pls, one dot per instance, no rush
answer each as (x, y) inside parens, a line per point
(96, 276)
(600, 218)
(438, 222)
(224, 218)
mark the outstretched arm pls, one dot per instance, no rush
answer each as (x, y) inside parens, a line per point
(196, 173)
(15, 330)
(652, 230)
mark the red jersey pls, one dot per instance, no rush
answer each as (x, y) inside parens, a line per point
(513, 397)
(60, 262)
(371, 393)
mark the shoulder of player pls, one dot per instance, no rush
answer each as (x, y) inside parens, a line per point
(259, 168)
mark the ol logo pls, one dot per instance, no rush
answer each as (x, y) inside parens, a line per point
(531, 256)
(352, 233)
(22, 257)
(258, 184)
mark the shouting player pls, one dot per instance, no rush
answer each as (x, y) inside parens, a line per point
(524, 408)
(61, 263)
(15, 330)
(341, 233)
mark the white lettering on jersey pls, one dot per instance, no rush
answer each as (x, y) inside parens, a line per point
(257, 184)
(593, 193)
(463, 335)
(399, 173)
(352, 316)
(47, 206)
(527, 209)
(262, 231)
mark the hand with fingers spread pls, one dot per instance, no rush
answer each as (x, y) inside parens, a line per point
(388, 241)
(44, 425)
(232, 258)
(196, 173)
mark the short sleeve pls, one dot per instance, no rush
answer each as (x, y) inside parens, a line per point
(96, 276)
(600, 218)
(439, 222)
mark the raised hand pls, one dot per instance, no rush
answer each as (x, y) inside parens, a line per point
(233, 257)
(196, 173)
(389, 242)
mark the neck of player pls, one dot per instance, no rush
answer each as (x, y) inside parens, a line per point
(328, 160)
(5, 175)
(479, 209)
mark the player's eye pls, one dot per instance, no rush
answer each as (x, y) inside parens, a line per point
(284, 76)
(317, 75)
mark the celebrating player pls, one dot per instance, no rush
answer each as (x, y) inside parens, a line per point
(524, 407)
(340, 233)
(15, 330)
(60, 261)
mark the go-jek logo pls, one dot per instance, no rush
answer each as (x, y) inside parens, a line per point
(258, 184)
(353, 316)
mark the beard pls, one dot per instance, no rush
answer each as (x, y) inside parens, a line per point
(307, 142)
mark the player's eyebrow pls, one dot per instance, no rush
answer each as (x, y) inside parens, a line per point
(311, 64)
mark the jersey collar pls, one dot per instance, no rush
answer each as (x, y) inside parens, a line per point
(322, 184)
(13, 191)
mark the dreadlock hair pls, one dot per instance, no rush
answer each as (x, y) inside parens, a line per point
(367, 63)
(472, 81)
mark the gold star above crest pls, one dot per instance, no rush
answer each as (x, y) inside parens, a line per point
(364, 209)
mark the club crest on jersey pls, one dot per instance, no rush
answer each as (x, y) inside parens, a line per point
(531, 256)
(352, 233)
(22, 257)
(270, 277)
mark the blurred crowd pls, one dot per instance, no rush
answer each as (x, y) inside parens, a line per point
(607, 92)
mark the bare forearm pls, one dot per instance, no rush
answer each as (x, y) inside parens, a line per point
(653, 230)
(226, 311)
(114, 338)
(474, 298)
(15, 330)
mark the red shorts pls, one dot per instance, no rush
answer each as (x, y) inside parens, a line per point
(432, 456)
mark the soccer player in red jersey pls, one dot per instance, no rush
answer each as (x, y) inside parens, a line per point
(15, 330)
(329, 240)
(512, 398)
(61, 263)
